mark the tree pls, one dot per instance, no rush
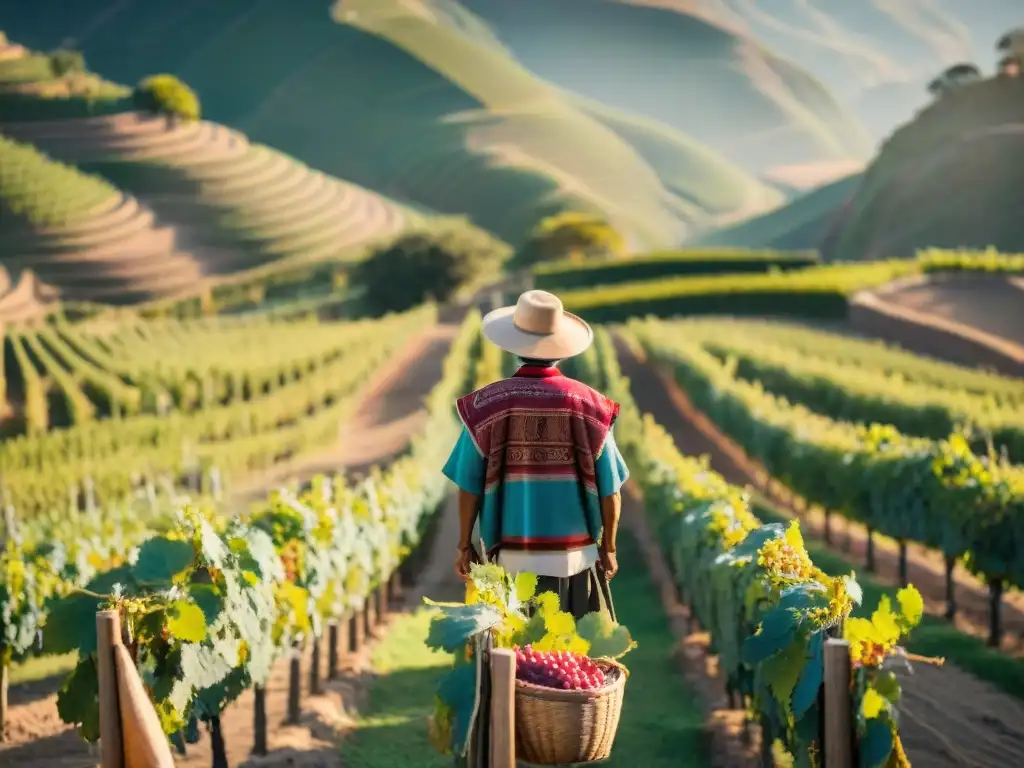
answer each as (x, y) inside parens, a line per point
(571, 235)
(166, 95)
(1012, 42)
(432, 263)
(65, 61)
(954, 77)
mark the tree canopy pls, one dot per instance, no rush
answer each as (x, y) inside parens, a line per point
(166, 94)
(571, 235)
(432, 263)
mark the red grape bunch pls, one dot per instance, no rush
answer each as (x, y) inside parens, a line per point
(558, 669)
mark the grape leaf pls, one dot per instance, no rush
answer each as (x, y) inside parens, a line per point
(887, 685)
(756, 539)
(71, 625)
(78, 701)
(454, 626)
(457, 690)
(206, 664)
(207, 598)
(877, 744)
(606, 638)
(526, 586)
(781, 672)
(161, 559)
(777, 630)
(186, 621)
(806, 691)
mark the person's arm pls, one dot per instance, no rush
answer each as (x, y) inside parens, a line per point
(469, 507)
(611, 508)
(465, 467)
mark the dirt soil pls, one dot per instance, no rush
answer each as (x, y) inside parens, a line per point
(949, 717)
(390, 414)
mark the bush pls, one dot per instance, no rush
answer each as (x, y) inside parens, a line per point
(431, 264)
(570, 235)
(704, 261)
(66, 61)
(167, 95)
(819, 292)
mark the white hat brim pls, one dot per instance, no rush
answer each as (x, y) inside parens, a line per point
(573, 336)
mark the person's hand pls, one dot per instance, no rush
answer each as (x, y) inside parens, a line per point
(465, 557)
(608, 563)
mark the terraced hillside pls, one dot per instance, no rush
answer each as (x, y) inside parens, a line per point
(237, 206)
(950, 178)
(417, 105)
(118, 398)
(79, 233)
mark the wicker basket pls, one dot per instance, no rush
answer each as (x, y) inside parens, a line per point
(557, 727)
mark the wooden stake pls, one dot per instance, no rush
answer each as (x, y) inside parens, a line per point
(995, 601)
(355, 632)
(294, 688)
(145, 745)
(838, 721)
(382, 603)
(314, 669)
(869, 564)
(950, 588)
(5, 679)
(108, 635)
(332, 650)
(259, 721)
(368, 615)
(503, 708)
(903, 562)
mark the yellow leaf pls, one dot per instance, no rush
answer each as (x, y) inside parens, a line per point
(872, 704)
(578, 645)
(911, 605)
(548, 604)
(884, 622)
(526, 586)
(793, 536)
(560, 623)
(472, 594)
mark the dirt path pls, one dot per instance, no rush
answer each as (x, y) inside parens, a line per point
(951, 718)
(392, 411)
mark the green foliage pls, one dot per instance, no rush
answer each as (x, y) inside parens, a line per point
(987, 261)
(235, 393)
(560, 275)
(210, 602)
(819, 377)
(573, 236)
(936, 492)
(430, 264)
(166, 94)
(65, 62)
(768, 607)
(813, 292)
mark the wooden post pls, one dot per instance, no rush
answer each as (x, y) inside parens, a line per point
(995, 601)
(368, 615)
(382, 603)
(950, 588)
(355, 632)
(395, 587)
(5, 679)
(259, 721)
(903, 562)
(503, 708)
(144, 741)
(108, 635)
(314, 669)
(332, 650)
(828, 527)
(294, 692)
(869, 555)
(838, 721)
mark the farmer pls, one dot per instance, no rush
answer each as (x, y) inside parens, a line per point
(537, 461)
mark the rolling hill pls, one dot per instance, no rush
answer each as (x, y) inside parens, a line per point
(144, 208)
(952, 178)
(414, 100)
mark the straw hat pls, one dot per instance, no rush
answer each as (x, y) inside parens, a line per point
(537, 327)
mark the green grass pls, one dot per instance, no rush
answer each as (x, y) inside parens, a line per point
(40, 668)
(934, 636)
(661, 724)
